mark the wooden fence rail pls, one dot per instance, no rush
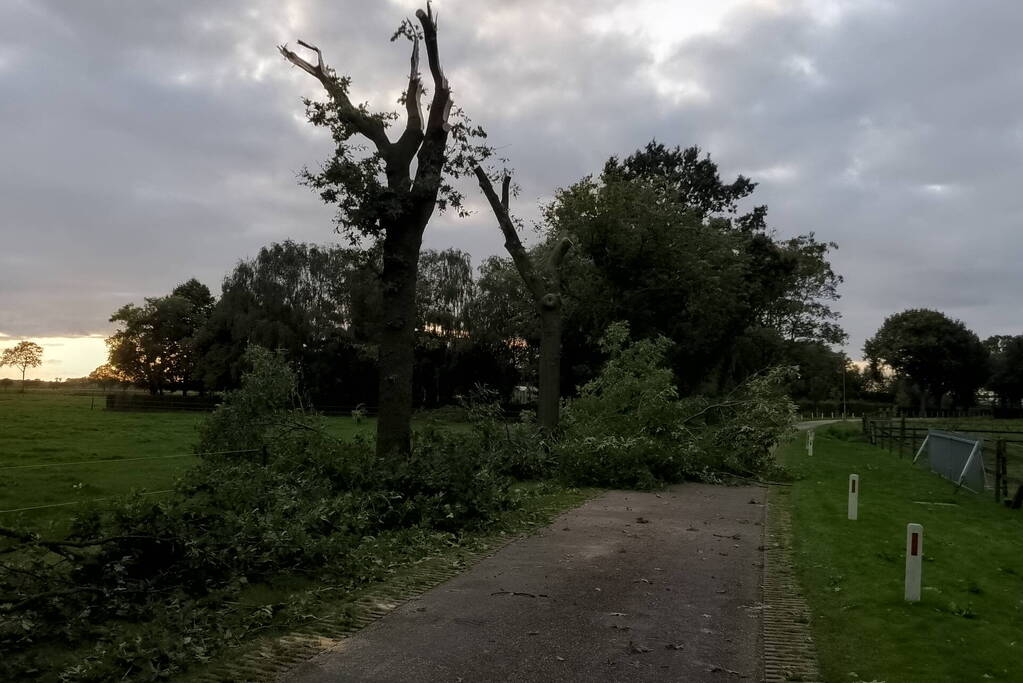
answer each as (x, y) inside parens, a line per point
(905, 440)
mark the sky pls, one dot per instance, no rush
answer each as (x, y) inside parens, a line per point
(145, 143)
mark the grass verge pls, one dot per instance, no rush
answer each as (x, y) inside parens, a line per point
(969, 622)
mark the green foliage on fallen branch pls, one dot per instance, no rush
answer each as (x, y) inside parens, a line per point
(629, 429)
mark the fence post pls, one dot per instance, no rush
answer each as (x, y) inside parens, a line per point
(902, 435)
(914, 557)
(1001, 485)
(854, 496)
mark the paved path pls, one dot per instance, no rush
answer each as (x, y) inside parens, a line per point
(628, 587)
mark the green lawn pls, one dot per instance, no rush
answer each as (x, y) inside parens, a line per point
(72, 436)
(969, 624)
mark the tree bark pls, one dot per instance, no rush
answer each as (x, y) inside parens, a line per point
(397, 340)
(550, 363)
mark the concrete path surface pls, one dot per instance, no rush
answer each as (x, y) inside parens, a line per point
(628, 587)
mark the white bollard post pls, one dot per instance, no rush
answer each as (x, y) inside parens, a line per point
(854, 496)
(914, 561)
(809, 442)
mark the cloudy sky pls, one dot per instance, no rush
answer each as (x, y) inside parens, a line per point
(148, 142)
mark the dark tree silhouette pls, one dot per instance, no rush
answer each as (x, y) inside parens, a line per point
(379, 197)
(938, 354)
(155, 347)
(1006, 378)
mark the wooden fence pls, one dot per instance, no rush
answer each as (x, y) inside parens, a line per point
(1006, 471)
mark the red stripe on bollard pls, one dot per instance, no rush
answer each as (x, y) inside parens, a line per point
(914, 545)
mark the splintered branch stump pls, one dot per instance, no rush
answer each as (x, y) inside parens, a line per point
(542, 277)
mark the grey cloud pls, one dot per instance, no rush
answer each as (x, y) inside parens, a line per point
(151, 142)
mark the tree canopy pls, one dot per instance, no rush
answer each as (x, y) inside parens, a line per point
(156, 346)
(1006, 365)
(107, 376)
(23, 355)
(661, 244)
(936, 353)
(318, 305)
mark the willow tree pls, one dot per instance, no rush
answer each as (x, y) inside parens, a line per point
(387, 191)
(542, 277)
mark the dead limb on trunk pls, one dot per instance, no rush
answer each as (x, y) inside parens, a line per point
(403, 223)
(543, 280)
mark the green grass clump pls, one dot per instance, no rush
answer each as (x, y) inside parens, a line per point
(969, 622)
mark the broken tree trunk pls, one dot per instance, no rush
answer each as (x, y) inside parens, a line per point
(402, 221)
(543, 280)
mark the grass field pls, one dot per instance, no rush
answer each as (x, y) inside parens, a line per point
(57, 448)
(969, 624)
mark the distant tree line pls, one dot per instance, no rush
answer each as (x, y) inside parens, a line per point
(659, 241)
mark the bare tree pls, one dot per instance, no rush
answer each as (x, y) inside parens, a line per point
(542, 277)
(379, 196)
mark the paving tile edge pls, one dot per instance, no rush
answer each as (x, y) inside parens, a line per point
(789, 650)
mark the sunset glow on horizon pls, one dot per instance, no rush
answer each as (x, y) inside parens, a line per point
(64, 357)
